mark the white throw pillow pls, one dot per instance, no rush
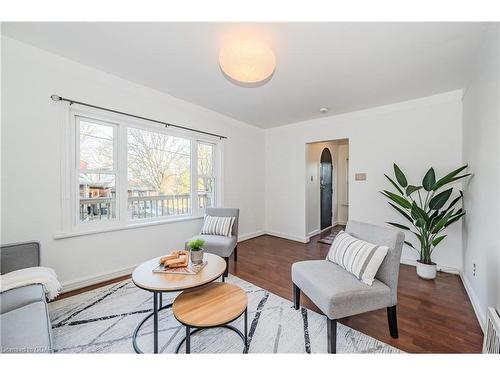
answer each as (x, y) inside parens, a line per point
(219, 226)
(361, 258)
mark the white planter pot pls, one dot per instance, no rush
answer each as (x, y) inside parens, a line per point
(426, 271)
(197, 256)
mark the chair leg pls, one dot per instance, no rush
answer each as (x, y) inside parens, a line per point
(226, 272)
(331, 332)
(393, 321)
(296, 297)
(236, 253)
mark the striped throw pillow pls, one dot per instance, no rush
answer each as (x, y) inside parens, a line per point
(219, 226)
(361, 258)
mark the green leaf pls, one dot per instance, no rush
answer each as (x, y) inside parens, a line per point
(417, 212)
(434, 218)
(429, 180)
(400, 226)
(402, 212)
(409, 244)
(438, 240)
(439, 200)
(420, 222)
(453, 219)
(398, 199)
(450, 177)
(400, 176)
(411, 189)
(454, 201)
(442, 222)
(395, 185)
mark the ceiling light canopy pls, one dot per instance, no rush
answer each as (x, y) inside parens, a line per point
(247, 62)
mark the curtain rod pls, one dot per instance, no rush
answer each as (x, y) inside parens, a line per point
(58, 98)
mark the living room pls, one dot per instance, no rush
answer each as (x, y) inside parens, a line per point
(264, 187)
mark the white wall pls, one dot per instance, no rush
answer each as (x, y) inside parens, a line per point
(342, 198)
(339, 151)
(31, 168)
(416, 134)
(481, 144)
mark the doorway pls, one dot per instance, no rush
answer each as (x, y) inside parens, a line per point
(326, 185)
(326, 188)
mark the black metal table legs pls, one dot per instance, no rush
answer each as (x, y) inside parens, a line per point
(189, 332)
(188, 339)
(157, 307)
(155, 321)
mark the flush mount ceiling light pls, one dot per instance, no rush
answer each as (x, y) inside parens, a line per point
(247, 62)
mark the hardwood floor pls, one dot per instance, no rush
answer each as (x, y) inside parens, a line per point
(433, 316)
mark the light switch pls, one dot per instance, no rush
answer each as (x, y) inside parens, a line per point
(360, 176)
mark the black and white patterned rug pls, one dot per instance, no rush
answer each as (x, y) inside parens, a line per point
(103, 320)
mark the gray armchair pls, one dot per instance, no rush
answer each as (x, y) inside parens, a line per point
(24, 315)
(338, 293)
(221, 245)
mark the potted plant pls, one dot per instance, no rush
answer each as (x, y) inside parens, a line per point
(425, 207)
(196, 247)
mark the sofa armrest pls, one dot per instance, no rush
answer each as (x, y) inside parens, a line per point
(19, 255)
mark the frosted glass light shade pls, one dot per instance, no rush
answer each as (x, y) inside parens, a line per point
(247, 61)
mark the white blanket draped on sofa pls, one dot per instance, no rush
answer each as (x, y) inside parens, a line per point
(33, 275)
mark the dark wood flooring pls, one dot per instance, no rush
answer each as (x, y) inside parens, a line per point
(433, 316)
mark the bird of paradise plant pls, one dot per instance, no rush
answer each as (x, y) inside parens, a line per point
(424, 207)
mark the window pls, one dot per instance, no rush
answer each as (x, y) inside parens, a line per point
(206, 175)
(128, 172)
(96, 170)
(159, 174)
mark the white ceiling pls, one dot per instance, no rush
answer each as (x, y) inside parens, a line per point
(342, 66)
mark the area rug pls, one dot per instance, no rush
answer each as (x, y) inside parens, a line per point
(103, 320)
(329, 239)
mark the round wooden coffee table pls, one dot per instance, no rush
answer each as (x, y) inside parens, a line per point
(157, 283)
(210, 306)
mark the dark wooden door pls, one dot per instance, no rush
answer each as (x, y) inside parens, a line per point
(326, 188)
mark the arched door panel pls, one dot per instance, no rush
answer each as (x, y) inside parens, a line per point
(326, 188)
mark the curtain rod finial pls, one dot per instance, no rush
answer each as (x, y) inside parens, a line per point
(55, 98)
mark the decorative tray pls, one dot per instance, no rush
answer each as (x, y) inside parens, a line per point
(190, 269)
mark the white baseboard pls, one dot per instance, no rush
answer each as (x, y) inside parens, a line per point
(313, 233)
(87, 281)
(440, 267)
(480, 315)
(288, 236)
(248, 236)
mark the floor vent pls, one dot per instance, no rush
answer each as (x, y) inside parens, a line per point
(491, 343)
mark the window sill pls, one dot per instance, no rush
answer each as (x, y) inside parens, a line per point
(126, 227)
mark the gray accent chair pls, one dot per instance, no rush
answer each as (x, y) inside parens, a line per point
(339, 294)
(24, 318)
(221, 245)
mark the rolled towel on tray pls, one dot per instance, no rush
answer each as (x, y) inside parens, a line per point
(32, 275)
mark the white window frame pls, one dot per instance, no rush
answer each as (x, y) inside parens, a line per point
(114, 171)
(214, 175)
(71, 225)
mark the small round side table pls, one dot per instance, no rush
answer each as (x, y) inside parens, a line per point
(210, 306)
(158, 283)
